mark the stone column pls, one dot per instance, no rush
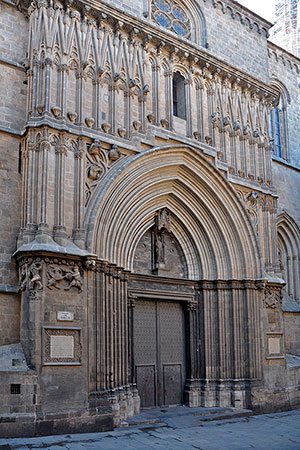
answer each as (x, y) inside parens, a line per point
(112, 107)
(45, 148)
(30, 93)
(35, 84)
(111, 338)
(98, 104)
(199, 100)
(142, 111)
(211, 104)
(191, 388)
(31, 187)
(80, 94)
(79, 175)
(59, 229)
(63, 71)
(169, 97)
(188, 105)
(47, 92)
(155, 92)
(128, 112)
(131, 306)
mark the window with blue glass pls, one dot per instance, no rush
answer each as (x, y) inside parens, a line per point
(275, 131)
(170, 15)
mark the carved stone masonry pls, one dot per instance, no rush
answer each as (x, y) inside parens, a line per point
(251, 202)
(191, 306)
(62, 277)
(162, 224)
(30, 276)
(273, 298)
(163, 220)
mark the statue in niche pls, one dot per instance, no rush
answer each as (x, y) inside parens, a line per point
(162, 224)
(159, 250)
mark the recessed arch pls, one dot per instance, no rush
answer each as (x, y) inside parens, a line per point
(289, 253)
(210, 223)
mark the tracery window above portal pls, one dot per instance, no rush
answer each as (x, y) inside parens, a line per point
(169, 14)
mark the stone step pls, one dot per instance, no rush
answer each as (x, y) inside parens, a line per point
(172, 415)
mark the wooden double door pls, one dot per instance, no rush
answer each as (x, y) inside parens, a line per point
(159, 352)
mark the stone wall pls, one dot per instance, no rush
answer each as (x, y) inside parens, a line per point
(292, 332)
(9, 319)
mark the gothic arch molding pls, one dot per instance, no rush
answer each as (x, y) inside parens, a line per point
(289, 244)
(211, 224)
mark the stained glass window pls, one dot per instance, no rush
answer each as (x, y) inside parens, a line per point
(170, 15)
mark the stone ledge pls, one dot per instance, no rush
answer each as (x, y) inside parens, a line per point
(52, 247)
(292, 361)
(8, 289)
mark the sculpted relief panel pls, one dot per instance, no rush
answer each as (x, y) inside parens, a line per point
(158, 252)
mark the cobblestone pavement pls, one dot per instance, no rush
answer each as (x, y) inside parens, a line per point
(279, 431)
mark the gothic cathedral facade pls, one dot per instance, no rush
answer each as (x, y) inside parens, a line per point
(150, 186)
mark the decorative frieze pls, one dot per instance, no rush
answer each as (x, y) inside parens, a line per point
(64, 277)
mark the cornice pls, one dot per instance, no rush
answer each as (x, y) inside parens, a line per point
(244, 15)
(289, 60)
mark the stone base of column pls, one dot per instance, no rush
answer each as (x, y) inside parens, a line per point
(124, 401)
(191, 394)
(223, 394)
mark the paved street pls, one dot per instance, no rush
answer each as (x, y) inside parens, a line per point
(271, 432)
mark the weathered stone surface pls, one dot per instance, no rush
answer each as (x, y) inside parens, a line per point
(137, 166)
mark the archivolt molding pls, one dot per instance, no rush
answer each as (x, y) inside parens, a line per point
(209, 220)
(289, 253)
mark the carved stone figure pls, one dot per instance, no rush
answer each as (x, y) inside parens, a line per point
(74, 278)
(55, 275)
(159, 249)
(163, 220)
(59, 275)
(35, 280)
(23, 277)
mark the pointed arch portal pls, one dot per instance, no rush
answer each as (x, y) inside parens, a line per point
(209, 221)
(215, 356)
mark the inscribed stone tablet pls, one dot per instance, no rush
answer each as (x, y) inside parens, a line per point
(65, 316)
(62, 347)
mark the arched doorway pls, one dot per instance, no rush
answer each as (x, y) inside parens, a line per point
(202, 267)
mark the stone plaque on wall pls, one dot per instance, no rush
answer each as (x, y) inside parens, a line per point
(274, 346)
(65, 316)
(62, 346)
